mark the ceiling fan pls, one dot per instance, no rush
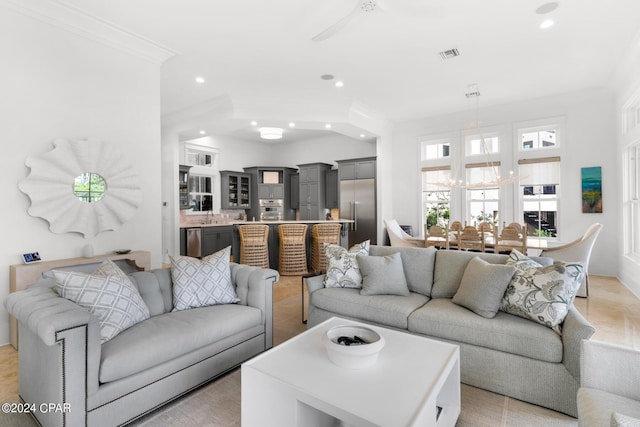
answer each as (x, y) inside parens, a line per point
(362, 6)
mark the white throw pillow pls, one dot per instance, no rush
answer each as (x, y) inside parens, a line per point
(342, 266)
(542, 294)
(200, 283)
(108, 294)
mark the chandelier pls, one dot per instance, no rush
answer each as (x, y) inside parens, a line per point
(472, 128)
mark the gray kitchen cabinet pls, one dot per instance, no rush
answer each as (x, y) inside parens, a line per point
(357, 168)
(294, 193)
(270, 191)
(312, 191)
(215, 239)
(235, 190)
(331, 189)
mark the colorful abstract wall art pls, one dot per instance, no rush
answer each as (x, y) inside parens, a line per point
(592, 190)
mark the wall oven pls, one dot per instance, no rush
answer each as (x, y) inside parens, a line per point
(271, 209)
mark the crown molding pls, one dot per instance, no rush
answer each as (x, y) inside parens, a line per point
(84, 24)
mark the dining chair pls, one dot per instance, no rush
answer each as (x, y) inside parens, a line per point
(509, 238)
(398, 237)
(437, 237)
(580, 251)
(471, 239)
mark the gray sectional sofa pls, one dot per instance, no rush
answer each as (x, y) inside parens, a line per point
(62, 361)
(506, 354)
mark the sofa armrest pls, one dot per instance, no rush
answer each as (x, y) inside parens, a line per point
(314, 283)
(45, 313)
(611, 368)
(59, 349)
(574, 329)
(254, 286)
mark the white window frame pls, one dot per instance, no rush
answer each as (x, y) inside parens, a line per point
(424, 211)
(440, 143)
(480, 134)
(556, 197)
(557, 123)
(631, 202)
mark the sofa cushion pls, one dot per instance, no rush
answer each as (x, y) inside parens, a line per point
(108, 294)
(450, 266)
(200, 283)
(342, 266)
(482, 287)
(441, 318)
(382, 275)
(390, 310)
(163, 338)
(418, 264)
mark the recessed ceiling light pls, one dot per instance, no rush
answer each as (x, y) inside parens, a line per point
(270, 133)
(254, 123)
(328, 126)
(202, 132)
(327, 77)
(546, 24)
(339, 83)
(199, 79)
(362, 135)
(292, 125)
(547, 8)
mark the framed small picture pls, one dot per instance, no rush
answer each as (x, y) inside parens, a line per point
(31, 257)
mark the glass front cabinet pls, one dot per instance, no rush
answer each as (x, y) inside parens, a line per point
(235, 191)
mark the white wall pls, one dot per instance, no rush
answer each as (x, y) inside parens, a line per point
(590, 140)
(58, 84)
(325, 149)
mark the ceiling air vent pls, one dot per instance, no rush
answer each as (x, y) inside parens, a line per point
(448, 54)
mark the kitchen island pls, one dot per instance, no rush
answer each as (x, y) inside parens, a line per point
(213, 237)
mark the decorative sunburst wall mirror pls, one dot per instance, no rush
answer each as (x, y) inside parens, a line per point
(82, 186)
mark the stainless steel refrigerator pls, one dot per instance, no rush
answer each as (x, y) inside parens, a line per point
(358, 203)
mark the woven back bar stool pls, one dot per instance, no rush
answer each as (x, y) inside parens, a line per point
(292, 259)
(254, 249)
(322, 234)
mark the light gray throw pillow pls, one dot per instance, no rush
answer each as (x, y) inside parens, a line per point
(107, 293)
(383, 275)
(201, 283)
(482, 287)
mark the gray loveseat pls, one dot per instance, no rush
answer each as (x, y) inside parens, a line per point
(62, 361)
(506, 354)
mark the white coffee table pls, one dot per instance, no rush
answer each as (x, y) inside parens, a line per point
(295, 384)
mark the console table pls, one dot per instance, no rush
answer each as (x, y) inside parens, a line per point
(23, 275)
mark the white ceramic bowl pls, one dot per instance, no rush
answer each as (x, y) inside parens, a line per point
(355, 356)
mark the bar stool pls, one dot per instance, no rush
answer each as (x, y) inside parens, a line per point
(254, 249)
(322, 234)
(292, 259)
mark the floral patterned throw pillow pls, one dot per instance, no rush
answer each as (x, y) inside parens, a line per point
(342, 266)
(542, 294)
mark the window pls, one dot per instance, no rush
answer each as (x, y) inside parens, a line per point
(483, 203)
(539, 192)
(436, 200)
(482, 144)
(436, 149)
(632, 201)
(538, 137)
